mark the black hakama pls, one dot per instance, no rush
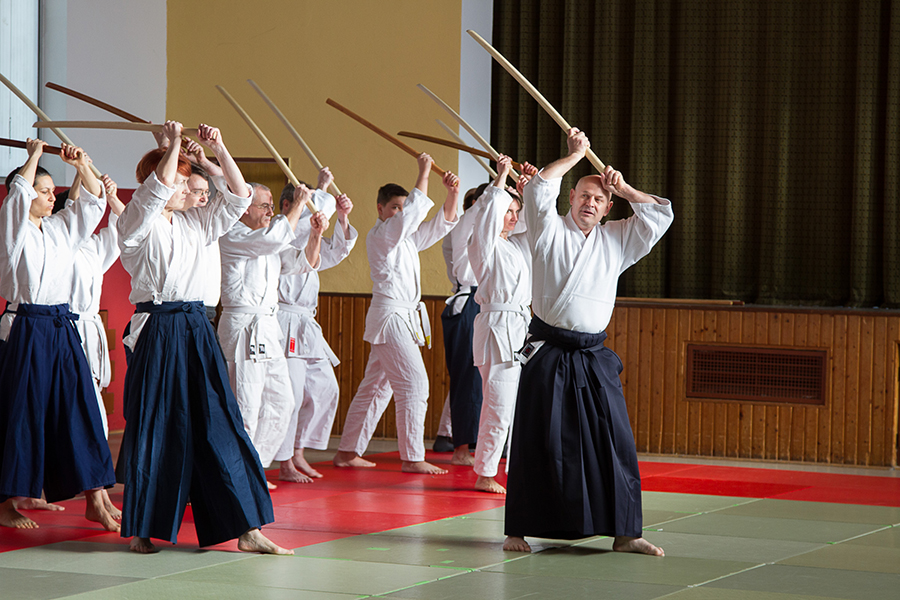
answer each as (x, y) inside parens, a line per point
(51, 432)
(184, 436)
(465, 378)
(573, 469)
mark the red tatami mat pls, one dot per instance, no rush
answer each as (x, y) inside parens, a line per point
(349, 502)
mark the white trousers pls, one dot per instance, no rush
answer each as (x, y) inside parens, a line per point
(265, 397)
(499, 385)
(445, 427)
(395, 367)
(315, 404)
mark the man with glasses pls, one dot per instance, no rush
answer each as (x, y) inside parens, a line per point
(197, 197)
(254, 253)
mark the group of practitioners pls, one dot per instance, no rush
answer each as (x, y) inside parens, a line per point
(207, 410)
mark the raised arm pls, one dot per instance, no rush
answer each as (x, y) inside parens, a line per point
(319, 223)
(613, 182)
(344, 206)
(578, 144)
(193, 151)
(167, 168)
(212, 138)
(302, 194)
(35, 149)
(112, 198)
(324, 179)
(75, 156)
(424, 161)
(451, 183)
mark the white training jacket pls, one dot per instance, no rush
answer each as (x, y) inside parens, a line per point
(575, 277)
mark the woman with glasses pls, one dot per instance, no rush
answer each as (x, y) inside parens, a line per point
(184, 437)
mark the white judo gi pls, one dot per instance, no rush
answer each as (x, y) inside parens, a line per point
(310, 360)
(394, 328)
(503, 270)
(36, 264)
(92, 260)
(575, 283)
(162, 257)
(251, 338)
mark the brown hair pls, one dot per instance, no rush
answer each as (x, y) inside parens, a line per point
(151, 160)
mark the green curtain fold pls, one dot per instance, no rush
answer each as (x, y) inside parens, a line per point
(772, 126)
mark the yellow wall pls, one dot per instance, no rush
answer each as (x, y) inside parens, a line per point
(367, 55)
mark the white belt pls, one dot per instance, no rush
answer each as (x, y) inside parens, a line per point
(410, 306)
(297, 310)
(250, 310)
(503, 307)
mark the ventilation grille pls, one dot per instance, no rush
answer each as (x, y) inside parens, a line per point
(748, 374)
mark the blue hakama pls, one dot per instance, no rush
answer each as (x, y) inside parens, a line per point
(184, 436)
(573, 469)
(465, 378)
(51, 432)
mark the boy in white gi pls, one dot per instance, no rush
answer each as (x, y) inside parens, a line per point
(310, 360)
(255, 252)
(394, 323)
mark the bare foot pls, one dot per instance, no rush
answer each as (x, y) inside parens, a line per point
(489, 484)
(287, 472)
(10, 517)
(271, 485)
(462, 457)
(516, 544)
(351, 459)
(111, 508)
(637, 545)
(142, 546)
(94, 510)
(36, 504)
(255, 541)
(304, 467)
(425, 468)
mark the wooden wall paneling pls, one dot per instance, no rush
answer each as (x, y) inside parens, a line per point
(682, 406)
(733, 409)
(673, 366)
(633, 334)
(657, 377)
(880, 392)
(813, 414)
(838, 395)
(825, 443)
(708, 409)
(892, 416)
(857, 425)
(760, 336)
(868, 395)
(772, 412)
(851, 390)
(720, 409)
(784, 431)
(694, 413)
(799, 414)
(642, 431)
(745, 446)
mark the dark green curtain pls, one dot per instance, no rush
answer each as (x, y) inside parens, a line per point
(773, 127)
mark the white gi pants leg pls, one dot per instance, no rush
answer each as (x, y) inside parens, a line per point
(264, 395)
(395, 366)
(315, 404)
(445, 427)
(499, 384)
